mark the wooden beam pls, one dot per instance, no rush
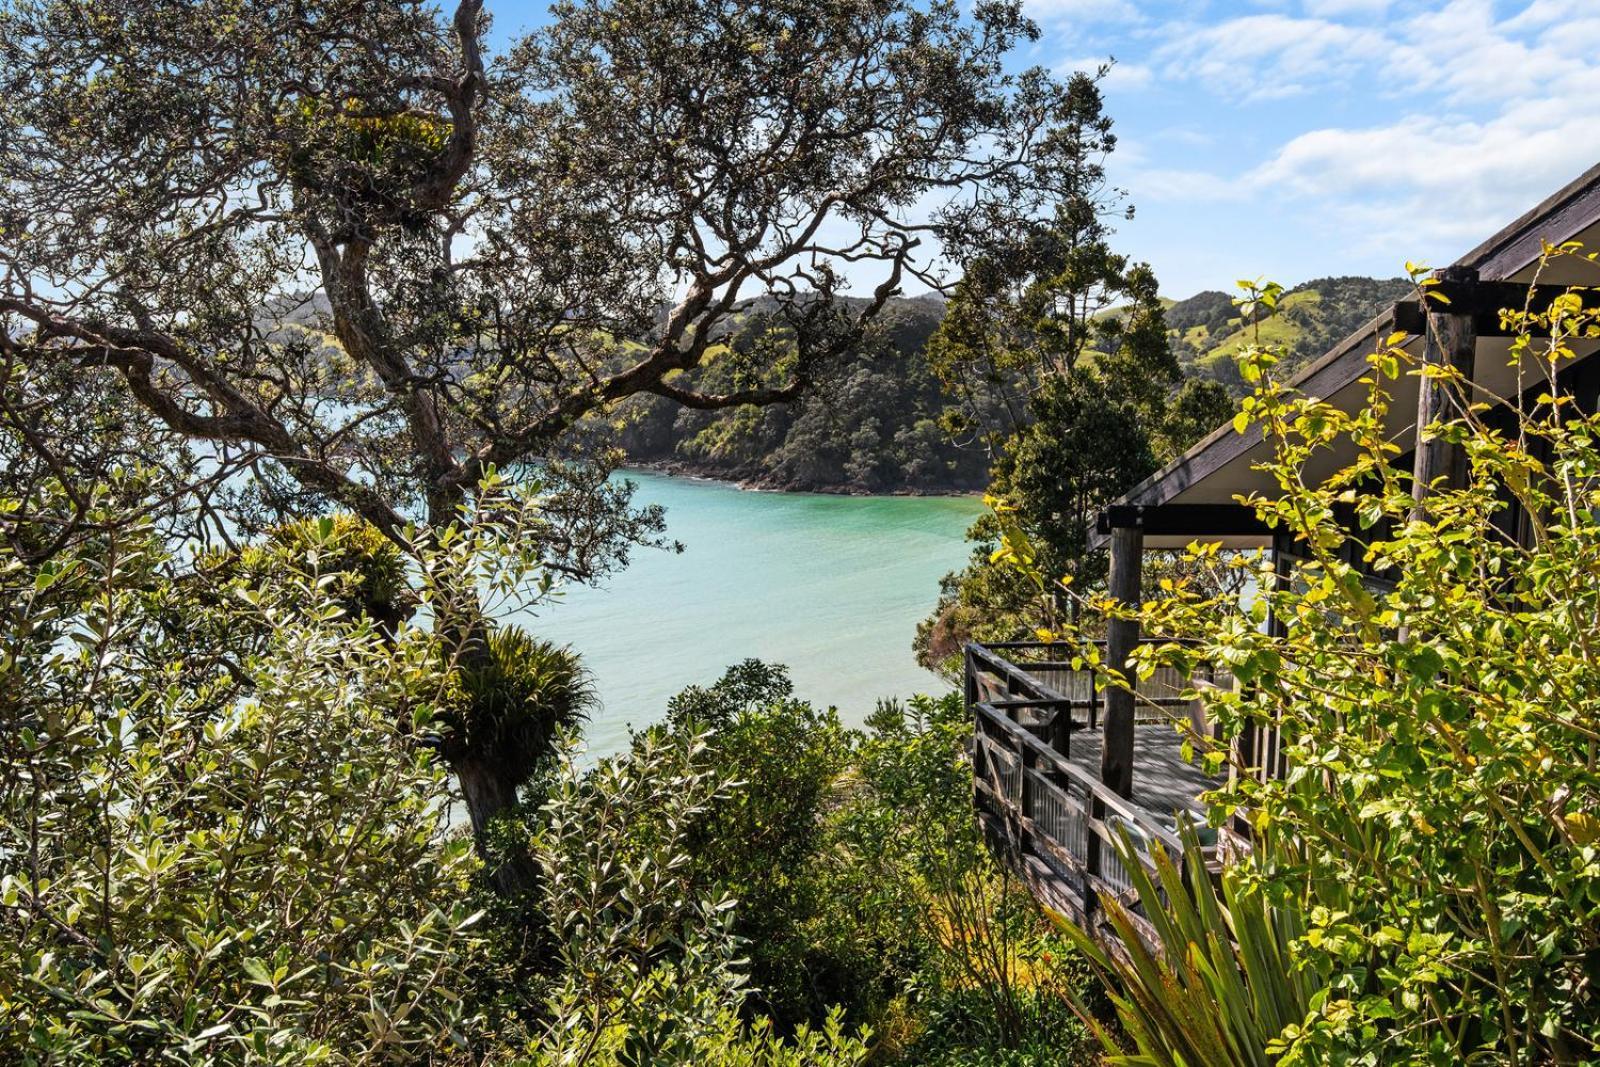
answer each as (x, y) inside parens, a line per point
(1451, 341)
(1116, 752)
(1480, 301)
(1167, 520)
(1559, 217)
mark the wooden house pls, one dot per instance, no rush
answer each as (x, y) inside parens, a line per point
(1061, 765)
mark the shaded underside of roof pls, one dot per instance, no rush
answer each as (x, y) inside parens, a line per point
(1221, 466)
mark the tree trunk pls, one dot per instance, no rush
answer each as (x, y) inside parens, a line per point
(488, 787)
(488, 794)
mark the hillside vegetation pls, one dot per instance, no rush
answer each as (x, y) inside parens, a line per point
(1207, 332)
(872, 425)
(869, 425)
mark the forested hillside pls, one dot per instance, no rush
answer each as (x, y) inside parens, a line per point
(872, 425)
(1312, 317)
(869, 425)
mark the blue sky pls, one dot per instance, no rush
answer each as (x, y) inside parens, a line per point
(1302, 138)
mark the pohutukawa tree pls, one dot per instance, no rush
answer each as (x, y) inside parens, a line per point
(361, 257)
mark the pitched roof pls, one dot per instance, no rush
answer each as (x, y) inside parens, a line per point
(1223, 456)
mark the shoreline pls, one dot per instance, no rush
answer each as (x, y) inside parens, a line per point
(759, 483)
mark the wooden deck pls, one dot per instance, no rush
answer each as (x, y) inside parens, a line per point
(1163, 782)
(1036, 764)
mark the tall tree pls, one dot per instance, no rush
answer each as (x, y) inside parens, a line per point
(1055, 348)
(363, 260)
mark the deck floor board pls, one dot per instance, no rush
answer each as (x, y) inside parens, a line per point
(1163, 783)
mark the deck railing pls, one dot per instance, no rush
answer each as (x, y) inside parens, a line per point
(1044, 671)
(1058, 823)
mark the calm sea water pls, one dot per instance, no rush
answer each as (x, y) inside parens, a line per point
(832, 586)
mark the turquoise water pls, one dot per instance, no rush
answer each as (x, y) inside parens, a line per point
(832, 586)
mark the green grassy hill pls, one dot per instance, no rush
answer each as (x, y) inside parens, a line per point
(1207, 330)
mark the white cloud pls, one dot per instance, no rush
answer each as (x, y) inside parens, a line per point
(1460, 52)
(1551, 13)
(1417, 128)
(1180, 185)
(1100, 11)
(1189, 136)
(1417, 182)
(1335, 8)
(1264, 57)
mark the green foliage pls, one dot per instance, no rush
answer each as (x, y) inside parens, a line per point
(212, 854)
(509, 706)
(861, 882)
(1196, 409)
(361, 570)
(1097, 422)
(1223, 982)
(640, 962)
(1055, 351)
(1433, 673)
(994, 979)
(1083, 450)
(772, 844)
(241, 853)
(871, 423)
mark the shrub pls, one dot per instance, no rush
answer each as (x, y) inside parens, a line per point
(650, 971)
(768, 844)
(217, 859)
(359, 569)
(861, 882)
(1435, 678)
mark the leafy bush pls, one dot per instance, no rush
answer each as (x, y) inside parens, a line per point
(769, 844)
(359, 568)
(223, 858)
(1435, 679)
(861, 882)
(648, 969)
(243, 855)
(992, 977)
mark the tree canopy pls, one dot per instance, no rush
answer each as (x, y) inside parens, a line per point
(486, 231)
(348, 256)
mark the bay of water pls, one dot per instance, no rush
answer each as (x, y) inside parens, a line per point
(831, 586)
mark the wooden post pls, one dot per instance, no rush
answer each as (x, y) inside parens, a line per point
(1451, 341)
(1095, 808)
(969, 680)
(979, 751)
(1028, 761)
(1061, 729)
(1116, 751)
